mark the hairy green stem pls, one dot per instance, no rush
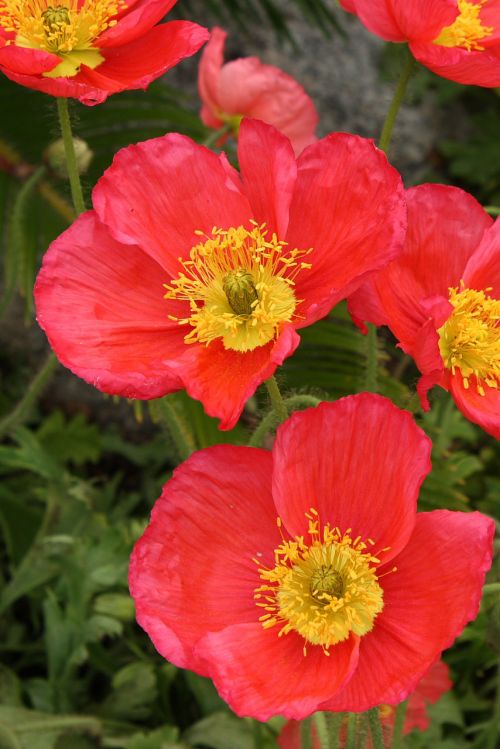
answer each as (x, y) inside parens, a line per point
(376, 728)
(22, 410)
(399, 722)
(177, 427)
(277, 401)
(69, 149)
(491, 588)
(305, 734)
(321, 726)
(397, 100)
(334, 721)
(350, 742)
(271, 420)
(212, 139)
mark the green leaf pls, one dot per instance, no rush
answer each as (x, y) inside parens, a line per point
(221, 731)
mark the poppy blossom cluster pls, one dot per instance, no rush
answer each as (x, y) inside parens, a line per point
(457, 39)
(429, 690)
(441, 299)
(89, 49)
(248, 88)
(188, 274)
(303, 579)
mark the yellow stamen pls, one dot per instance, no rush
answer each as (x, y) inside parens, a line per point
(64, 29)
(469, 340)
(240, 287)
(323, 588)
(467, 30)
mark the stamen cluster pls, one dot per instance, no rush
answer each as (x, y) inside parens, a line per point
(323, 588)
(467, 30)
(239, 285)
(470, 338)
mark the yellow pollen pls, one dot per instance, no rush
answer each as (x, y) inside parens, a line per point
(467, 30)
(323, 587)
(67, 29)
(240, 287)
(469, 340)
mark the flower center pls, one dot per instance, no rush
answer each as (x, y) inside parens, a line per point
(323, 588)
(240, 287)
(470, 338)
(467, 30)
(67, 29)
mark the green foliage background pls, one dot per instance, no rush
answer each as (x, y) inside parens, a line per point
(79, 480)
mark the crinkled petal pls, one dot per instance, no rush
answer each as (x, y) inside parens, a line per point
(261, 675)
(349, 206)
(434, 593)
(208, 72)
(268, 170)
(158, 193)
(366, 479)
(483, 269)
(144, 59)
(101, 305)
(481, 409)
(223, 380)
(137, 19)
(400, 20)
(25, 61)
(476, 68)
(192, 572)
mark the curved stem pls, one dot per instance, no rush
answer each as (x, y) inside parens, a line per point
(69, 148)
(20, 413)
(397, 100)
(271, 420)
(371, 379)
(399, 722)
(212, 139)
(376, 728)
(277, 401)
(178, 429)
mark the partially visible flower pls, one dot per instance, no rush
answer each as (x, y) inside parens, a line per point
(428, 691)
(190, 275)
(345, 601)
(89, 49)
(457, 39)
(248, 88)
(441, 299)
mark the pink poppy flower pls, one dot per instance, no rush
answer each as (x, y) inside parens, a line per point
(190, 275)
(248, 88)
(441, 299)
(341, 604)
(429, 690)
(89, 49)
(457, 39)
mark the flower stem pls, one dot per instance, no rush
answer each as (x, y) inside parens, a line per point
(305, 734)
(350, 742)
(399, 94)
(371, 379)
(334, 722)
(491, 588)
(271, 420)
(399, 722)
(277, 401)
(177, 427)
(376, 728)
(20, 413)
(69, 148)
(212, 139)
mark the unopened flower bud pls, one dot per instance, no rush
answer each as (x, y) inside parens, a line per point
(55, 156)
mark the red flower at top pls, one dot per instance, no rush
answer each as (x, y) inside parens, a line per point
(441, 299)
(188, 274)
(342, 604)
(428, 691)
(457, 39)
(89, 49)
(248, 88)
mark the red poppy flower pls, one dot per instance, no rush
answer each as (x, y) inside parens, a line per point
(457, 39)
(188, 274)
(89, 49)
(346, 601)
(441, 299)
(428, 691)
(248, 88)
